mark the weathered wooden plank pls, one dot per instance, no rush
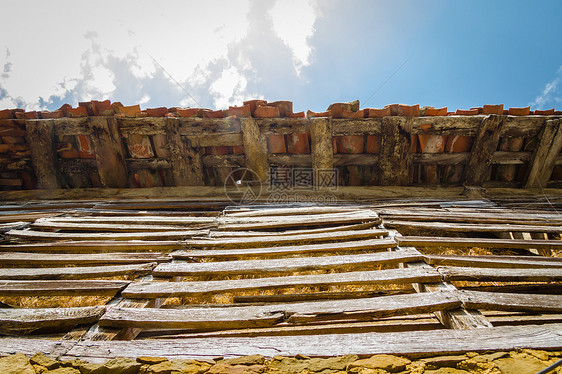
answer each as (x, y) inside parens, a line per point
(545, 154)
(511, 158)
(356, 127)
(395, 157)
(24, 320)
(232, 161)
(433, 241)
(248, 234)
(5, 227)
(511, 301)
(483, 148)
(71, 126)
(85, 272)
(60, 288)
(23, 259)
(322, 151)
(29, 347)
(367, 159)
(143, 126)
(94, 246)
(26, 217)
(103, 227)
(500, 275)
(315, 296)
(255, 148)
(147, 219)
(302, 160)
(177, 289)
(41, 139)
(135, 164)
(475, 227)
(268, 315)
(437, 342)
(359, 245)
(269, 222)
(513, 262)
(219, 139)
(283, 211)
(258, 241)
(109, 150)
(42, 235)
(287, 265)
(187, 166)
(471, 217)
(283, 125)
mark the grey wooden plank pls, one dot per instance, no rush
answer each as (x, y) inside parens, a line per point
(166, 235)
(511, 301)
(85, 272)
(86, 246)
(444, 216)
(256, 316)
(31, 259)
(524, 262)
(370, 244)
(130, 217)
(255, 147)
(259, 241)
(29, 347)
(41, 139)
(25, 320)
(485, 144)
(109, 150)
(268, 222)
(544, 156)
(176, 289)
(500, 275)
(303, 210)
(475, 227)
(438, 342)
(104, 227)
(233, 234)
(433, 241)
(286, 265)
(60, 287)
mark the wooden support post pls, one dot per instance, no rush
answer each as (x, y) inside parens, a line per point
(395, 159)
(41, 140)
(321, 147)
(187, 165)
(485, 144)
(110, 154)
(544, 157)
(255, 148)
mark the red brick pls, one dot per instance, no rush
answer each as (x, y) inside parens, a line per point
(377, 113)
(276, 143)
(373, 143)
(102, 108)
(298, 143)
(350, 144)
(311, 114)
(88, 105)
(157, 112)
(54, 114)
(432, 112)
(67, 150)
(160, 142)
(458, 143)
(128, 111)
(237, 149)
(479, 109)
(338, 108)
(470, 112)
(254, 104)
(27, 115)
(207, 113)
(404, 110)
(548, 112)
(492, 109)
(80, 111)
(285, 107)
(188, 112)
(266, 112)
(296, 115)
(64, 109)
(6, 114)
(217, 150)
(139, 146)
(519, 111)
(85, 146)
(240, 111)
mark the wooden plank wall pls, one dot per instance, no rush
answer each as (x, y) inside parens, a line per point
(263, 275)
(108, 151)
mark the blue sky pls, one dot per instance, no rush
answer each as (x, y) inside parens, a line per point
(458, 54)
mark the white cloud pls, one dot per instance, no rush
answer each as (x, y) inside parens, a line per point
(293, 21)
(124, 51)
(552, 93)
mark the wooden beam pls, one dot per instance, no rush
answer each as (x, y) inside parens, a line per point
(322, 152)
(187, 166)
(41, 139)
(483, 148)
(395, 158)
(110, 153)
(255, 148)
(544, 157)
